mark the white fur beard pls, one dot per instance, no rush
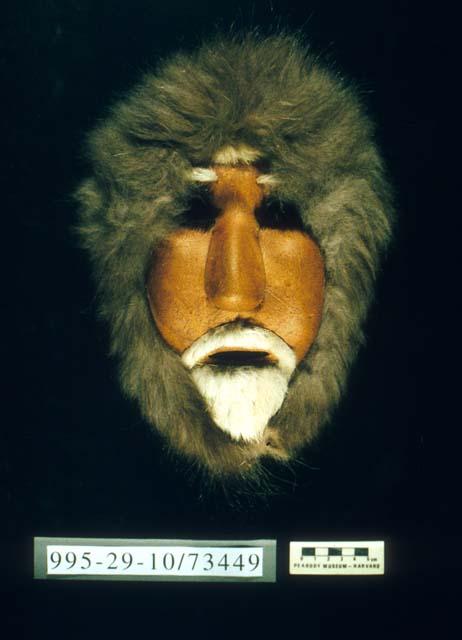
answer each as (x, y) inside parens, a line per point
(242, 399)
(241, 402)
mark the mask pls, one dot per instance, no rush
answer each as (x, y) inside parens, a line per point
(235, 219)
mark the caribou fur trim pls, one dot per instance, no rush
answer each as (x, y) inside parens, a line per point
(271, 95)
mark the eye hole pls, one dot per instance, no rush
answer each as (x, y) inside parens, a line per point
(263, 166)
(276, 214)
(200, 212)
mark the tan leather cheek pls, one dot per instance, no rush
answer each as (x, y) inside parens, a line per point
(175, 287)
(294, 293)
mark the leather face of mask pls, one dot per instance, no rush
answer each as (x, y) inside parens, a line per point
(238, 269)
(259, 288)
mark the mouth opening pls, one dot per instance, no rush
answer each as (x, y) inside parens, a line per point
(240, 358)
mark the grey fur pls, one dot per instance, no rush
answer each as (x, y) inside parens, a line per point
(308, 122)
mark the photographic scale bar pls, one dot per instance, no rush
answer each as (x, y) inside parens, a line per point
(358, 557)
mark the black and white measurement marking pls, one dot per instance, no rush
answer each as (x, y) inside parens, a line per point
(337, 558)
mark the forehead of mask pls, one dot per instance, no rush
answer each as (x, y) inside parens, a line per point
(237, 269)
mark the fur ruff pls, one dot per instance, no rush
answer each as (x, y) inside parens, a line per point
(267, 94)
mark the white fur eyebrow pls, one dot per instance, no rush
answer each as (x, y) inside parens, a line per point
(205, 175)
(202, 174)
(268, 179)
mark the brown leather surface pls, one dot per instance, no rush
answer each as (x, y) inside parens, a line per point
(237, 270)
(234, 272)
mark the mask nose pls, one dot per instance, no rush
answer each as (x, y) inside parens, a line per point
(234, 273)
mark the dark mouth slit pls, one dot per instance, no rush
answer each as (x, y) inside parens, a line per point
(240, 358)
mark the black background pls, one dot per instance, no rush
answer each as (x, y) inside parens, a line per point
(76, 458)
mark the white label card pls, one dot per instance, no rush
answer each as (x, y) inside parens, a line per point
(117, 559)
(363, 557)
(238, 562)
